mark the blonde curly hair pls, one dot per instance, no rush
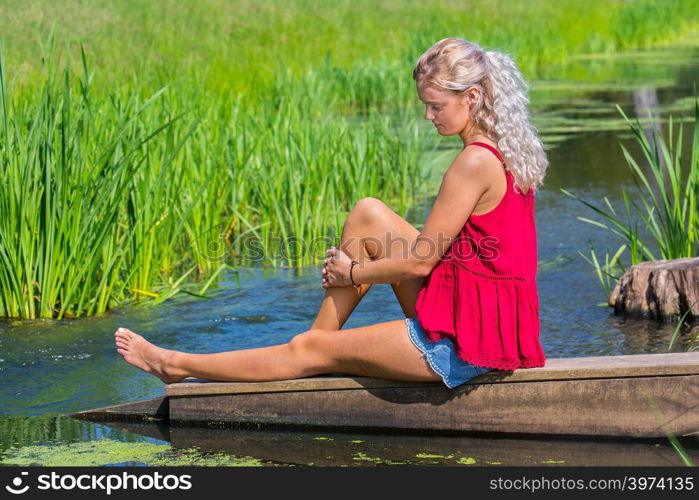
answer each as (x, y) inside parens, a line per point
(455, 65)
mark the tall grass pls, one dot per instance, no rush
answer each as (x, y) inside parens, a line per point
(66, 171)
(667, 185)
(121, 199)
(667, 216)
(662, 421)
(241, 45)
(216, 133)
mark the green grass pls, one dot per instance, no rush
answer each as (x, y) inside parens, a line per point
(190, 137)
(242, 45)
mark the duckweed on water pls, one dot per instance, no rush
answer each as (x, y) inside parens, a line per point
(108, 452)
(86, 453)
(428, 455)
(363, 457)
(466, 461)
(192, 456)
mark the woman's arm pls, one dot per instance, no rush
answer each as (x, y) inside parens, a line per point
(462, 186)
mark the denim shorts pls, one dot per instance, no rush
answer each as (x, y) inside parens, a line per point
(442, 357)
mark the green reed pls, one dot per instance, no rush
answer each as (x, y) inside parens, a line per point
(662, 420)
(667, 216)
(109, 201)
(65, 173)
(693, 340)
(248, 136)
(372, 45)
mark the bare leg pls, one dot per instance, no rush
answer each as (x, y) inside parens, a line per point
(372, 231)
(383, 350)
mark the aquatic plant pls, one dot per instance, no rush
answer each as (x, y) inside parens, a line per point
(102, 452)
(370, 44)
(662, 421)
(122, 199)
(66, 168)
(693, 341)
(667, 185)
(167, 165)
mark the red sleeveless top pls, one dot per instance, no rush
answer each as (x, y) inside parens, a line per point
(482, 294)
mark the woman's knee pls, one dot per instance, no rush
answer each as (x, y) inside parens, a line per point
(368, 209)
(369, 219)
(314, 346)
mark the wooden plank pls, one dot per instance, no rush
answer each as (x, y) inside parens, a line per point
(576, 407)
(636, 365)
(196, 387)
(143, 410)
(594, 396)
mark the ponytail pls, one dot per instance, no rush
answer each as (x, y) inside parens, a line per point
(516, 137)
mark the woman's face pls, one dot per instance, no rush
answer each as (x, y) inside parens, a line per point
(448, 112)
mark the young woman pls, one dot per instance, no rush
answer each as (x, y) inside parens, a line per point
(466, 283)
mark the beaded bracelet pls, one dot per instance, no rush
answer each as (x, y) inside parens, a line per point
(355, 285)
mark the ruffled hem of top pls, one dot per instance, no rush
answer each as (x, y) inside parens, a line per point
(493, 322)
(498, 363)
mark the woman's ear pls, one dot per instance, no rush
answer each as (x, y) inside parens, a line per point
(470, 97)
(472, 94)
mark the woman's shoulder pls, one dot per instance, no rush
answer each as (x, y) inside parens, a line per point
(483, 150)
(475, 163)
(468, 171)
(475, 158)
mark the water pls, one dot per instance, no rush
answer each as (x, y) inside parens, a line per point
(59, 441)
(49, 368)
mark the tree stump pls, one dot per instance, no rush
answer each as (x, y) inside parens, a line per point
(662, 289)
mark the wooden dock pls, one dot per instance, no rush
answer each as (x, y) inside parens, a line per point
(638, 396)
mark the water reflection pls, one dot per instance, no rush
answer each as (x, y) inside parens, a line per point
(66, 441)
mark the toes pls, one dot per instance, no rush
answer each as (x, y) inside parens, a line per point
(124, 333)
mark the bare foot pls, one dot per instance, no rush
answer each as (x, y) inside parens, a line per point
(150, 358)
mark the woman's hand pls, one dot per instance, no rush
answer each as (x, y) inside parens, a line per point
(336, 268)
